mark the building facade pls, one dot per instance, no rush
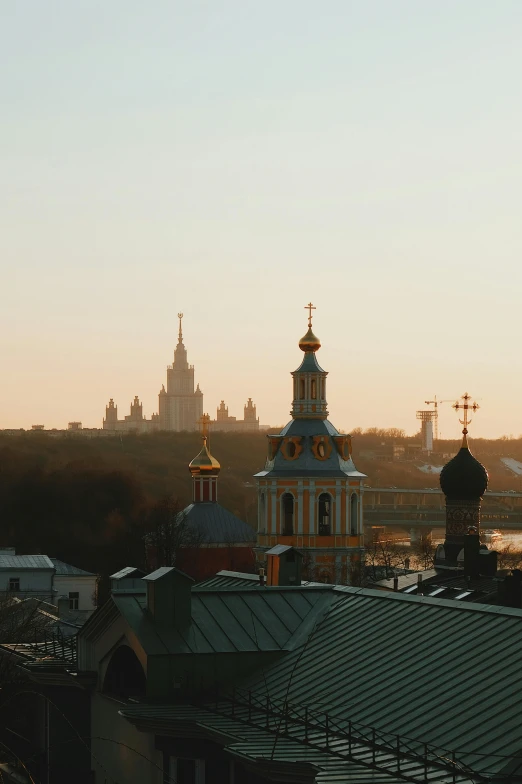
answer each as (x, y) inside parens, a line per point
(180, 406)
(310, 493)
(226, 423)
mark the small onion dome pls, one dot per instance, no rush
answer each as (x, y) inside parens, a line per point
(204, 463)
(309, 342)
(464, 477)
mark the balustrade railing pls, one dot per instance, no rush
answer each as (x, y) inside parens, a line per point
(411, 760)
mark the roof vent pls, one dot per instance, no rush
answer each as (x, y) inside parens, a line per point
(169, 596)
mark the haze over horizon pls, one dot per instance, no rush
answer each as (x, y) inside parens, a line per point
(235, 160)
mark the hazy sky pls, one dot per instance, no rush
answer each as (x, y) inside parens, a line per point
(233, 159)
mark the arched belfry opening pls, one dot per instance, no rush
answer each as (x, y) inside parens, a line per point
(354, 514)
(324, 508)
(287, 510)
(125, 676)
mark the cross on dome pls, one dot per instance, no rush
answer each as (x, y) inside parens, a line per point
(466, 406)
(309, 308)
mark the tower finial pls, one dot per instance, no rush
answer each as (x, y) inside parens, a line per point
(309, 308)
(465, 406)
(180, 332)
(204, 426)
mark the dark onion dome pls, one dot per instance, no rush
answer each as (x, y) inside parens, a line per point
(464, 477)
(309, 342)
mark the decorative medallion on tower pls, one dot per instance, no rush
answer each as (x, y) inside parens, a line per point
(310, 493)
(463, 481)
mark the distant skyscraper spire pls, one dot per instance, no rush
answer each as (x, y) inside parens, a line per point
(180, 331)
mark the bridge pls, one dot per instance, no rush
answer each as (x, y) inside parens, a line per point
(409, 508)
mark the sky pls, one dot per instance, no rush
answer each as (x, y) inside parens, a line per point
(234, 160)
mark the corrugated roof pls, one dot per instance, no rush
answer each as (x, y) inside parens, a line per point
(248, 742)
(406, 580)
(127, 571)
(229, 621)
(65, 569)
(25, 562)
(215, 524)
(439, 671)
(227, 579)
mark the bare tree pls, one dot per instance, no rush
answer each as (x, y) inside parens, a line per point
(168, 531)
(509, 557)
(384, 556)
(22, 621)
(423, 551)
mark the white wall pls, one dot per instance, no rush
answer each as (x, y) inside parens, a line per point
(85, 586)
(112, 759)
(37, 582)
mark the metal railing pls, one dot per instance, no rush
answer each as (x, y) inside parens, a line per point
(56, 645)
(411, 760)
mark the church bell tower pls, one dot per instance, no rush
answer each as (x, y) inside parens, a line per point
(310, 493)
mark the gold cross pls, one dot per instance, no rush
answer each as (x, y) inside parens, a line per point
(204, 425)
(465, 406)
(309, 308)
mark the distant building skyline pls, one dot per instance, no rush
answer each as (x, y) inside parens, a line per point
(180, 405)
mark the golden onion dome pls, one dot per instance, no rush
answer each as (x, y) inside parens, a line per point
(204, 463)
(309, 342)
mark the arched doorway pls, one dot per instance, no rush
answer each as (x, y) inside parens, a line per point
(125, 676)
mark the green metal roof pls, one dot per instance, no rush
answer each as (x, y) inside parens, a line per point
(248, 743)
(429, 669)
(229, 621)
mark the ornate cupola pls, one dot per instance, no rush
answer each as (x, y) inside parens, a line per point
(204, 469)
(309, 379)
(463, 481)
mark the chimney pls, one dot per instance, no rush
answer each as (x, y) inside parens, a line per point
(471, 554)
(261, 577)
(395, 584)
(169, 596)
(284, 565)
(63, 606)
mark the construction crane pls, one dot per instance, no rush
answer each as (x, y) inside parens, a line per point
(436, 403)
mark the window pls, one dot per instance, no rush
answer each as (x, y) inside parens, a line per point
(354, 514)
(302, 389)
(14, 583)
(186, 771)
(74, 600)
(314, 389)
(324, 507)
(287, 508)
